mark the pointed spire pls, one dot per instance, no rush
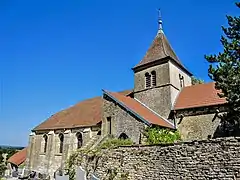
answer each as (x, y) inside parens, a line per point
(159, 50)
(160, 22)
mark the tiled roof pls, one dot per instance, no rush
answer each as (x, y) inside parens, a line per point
(140, 109)
(198, 96)
(19, 157)
(159, 49)
(84, 114)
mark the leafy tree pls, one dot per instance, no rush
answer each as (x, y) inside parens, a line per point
(225, 71)
(196, 80)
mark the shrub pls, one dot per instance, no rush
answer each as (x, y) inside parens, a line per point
(114, 142)
(158, 135)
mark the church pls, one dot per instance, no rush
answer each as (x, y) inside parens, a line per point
(163, 95)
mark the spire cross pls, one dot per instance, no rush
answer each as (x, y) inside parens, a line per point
(160, 28)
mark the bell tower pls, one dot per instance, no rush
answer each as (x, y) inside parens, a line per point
(160, 75)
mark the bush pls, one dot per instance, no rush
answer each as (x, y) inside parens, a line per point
(114, 142)
(3, 167)
(158, 135)
(77, 158)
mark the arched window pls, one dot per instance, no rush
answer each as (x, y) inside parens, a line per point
(61, 138)
(154, 80)
(123, 136)
(147, 80)
(79, 140)
(45, 138)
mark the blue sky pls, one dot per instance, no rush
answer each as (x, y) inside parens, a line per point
(54, 54)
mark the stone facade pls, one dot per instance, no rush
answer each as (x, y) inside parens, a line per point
(121, 122)
(52, 160)
(208, 159)
(198, 126)
(161, 97)
(199, 123)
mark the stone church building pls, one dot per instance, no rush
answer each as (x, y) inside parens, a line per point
(163, 95)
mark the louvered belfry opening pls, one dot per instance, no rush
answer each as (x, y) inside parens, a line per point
(147, 80)
(154, 81)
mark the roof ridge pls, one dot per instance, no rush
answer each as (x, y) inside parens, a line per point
(194, 85)
(164, 51)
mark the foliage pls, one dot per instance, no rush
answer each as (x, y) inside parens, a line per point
(84, 156)
(114, 142)
(196, 80)
(77, 158)
(9, 151)
(3, 167)
(5, 150)
(225, 71)
(157, 135)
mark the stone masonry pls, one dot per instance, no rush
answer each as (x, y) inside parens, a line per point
(52, 160)
(121, 122)
(207, 159)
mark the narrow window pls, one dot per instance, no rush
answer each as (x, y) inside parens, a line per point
(61, 138)
(79, 140)
(181, 78)
(154, 81)
(109, 125)
(147, 80)
(45, 138)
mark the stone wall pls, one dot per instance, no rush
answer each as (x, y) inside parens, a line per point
(161, 97)
(206, 159)
(200, 123)
(122, 121)
(157, 98)
(198, 126)
(52, 160)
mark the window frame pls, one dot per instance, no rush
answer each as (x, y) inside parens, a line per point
(61, 142)
(79, 143)
(45, 138)
(147, 80)
(154, 78)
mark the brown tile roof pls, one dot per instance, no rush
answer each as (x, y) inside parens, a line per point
(19, 157)
(159, 49)
(198, 96)
(140, 109)
(85, 113)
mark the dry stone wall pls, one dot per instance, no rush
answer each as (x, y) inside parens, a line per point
(208, 159)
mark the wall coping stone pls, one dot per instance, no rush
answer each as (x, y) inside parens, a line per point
(194, 142)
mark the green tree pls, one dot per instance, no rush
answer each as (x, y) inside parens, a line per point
(225, 71)
(196, 80)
